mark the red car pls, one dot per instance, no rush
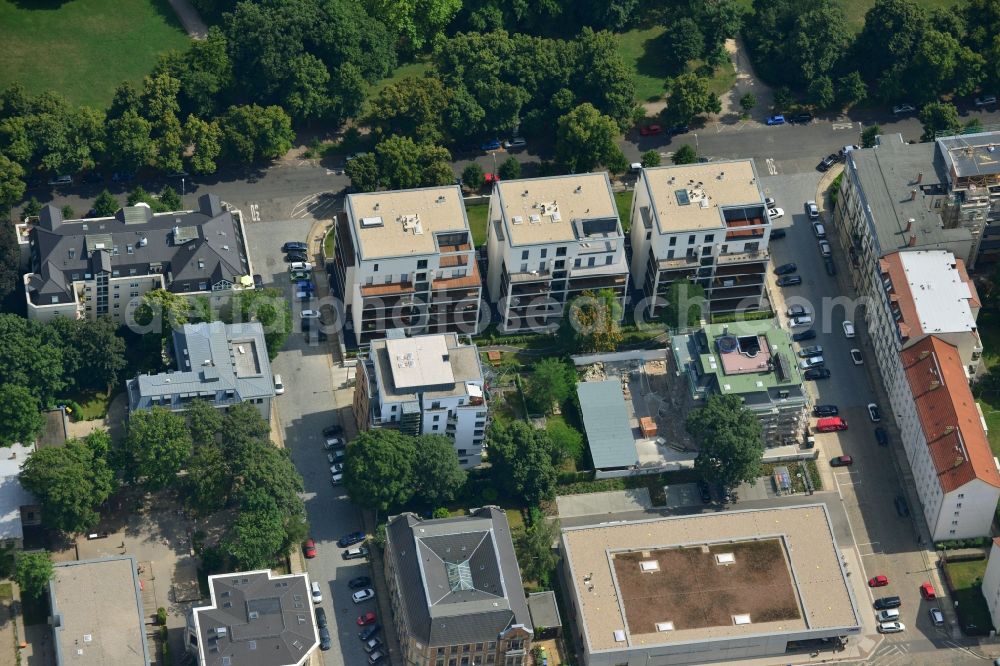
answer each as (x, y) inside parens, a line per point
(649, 130)
(878, 581)
(309, 549)
(366, 619)
(927, 591)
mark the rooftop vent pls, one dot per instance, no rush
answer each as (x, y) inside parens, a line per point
(741, 619)
(664, 626)
(619, 635)
(648, 566)
(517, 219)
(725, 558)
(369, 222)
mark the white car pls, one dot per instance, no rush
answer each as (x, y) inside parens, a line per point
(635, 167)
(336, 479)
(873, 412)
(279, 387)
(903, 108)
(516, 142)
(769, 202)
(775, 213)
(363, 595)
(888, 615)
(300, 266)
(335, 467)
(333, 443)
(856, 357)
(891, 627)
(986, 100)
(811, 362)
(819, 230)
(310, 314)
(812, 210)
(800, 321)
(824, 248)
(317, 594)
(848, 329)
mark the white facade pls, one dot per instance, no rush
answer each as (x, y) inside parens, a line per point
(548, 240)
(991, 583)
(125, 294)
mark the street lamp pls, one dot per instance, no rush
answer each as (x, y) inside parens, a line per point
(182, 185)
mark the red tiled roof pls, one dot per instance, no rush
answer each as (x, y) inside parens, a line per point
(948, 415)
(893, 265)
(973, 292)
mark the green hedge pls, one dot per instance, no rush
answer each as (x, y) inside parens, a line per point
(979, 542)
(731, 317)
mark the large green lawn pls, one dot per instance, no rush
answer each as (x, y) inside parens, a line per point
(967, 578)
(477, 214)
(414, 69)
(84, 48)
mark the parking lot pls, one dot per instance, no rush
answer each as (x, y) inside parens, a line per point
(309, 404)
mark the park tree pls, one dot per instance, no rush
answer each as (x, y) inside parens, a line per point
(33, 571)
(252, 133)
(413, 107)
(204, 421)
(534, 548)
(257, 535)
(206, 487)
(730, 440)
(436, 471)
(416, 23)
(162, 311)
(566, 440)
(510, 169)
(685, 305)
(29, 359)
(206, 141)
(748, 102)
(402, 163)
(472, 176)
(20, 419)
(169, 199)
(270, 308)
(591, 322)
(585, 139)
(886, 44)
(684, 155)
(105, 205)
(10, 261)
(129, 141)
(680, 43)
(821, 92)
(851, 90)
(552, 381)
(650, 158)
(938, 117)
(347, 91)
(602, 77)
(379, 469)
(204, 72)
(242, 426)
(157, 445)
(11, 182)
(719, 20)
(522, 461)
(71, 481)
(869, 136)
(363, 172)
(688, 96)
(819, 37)
(261, 467)
(306, 97)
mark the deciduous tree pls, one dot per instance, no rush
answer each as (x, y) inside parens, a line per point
(536, 556)
(379, 469)
(585, 139)
(551, 382)
(29, 360)
(938, 117)
(436, 470)
(105, 205)
(20, 420)
(650, 158)
(413, 107)
(472, 176)
(591, 322)
(510, 169)
(730, 440)
(11, 182)
(33, 573)
(204, 421)
(206, 140)
(869, 136)
(688, 96)
(363, 173)
(522, 461)
(157, 445)
(684, 155)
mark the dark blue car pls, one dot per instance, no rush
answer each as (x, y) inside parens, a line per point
(350, 539)
(306, 285)
(493, 144)
(776, 120)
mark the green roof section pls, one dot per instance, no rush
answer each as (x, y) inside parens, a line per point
(776, 368)
(605, 418)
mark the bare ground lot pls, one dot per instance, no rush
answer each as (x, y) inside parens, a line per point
(692, 591)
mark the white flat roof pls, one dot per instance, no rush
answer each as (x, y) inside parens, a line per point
(940, 296)
(12, 494)
(420, 361)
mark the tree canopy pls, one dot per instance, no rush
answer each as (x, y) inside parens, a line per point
(33, 571)
(592, 322)
(730, 440)
(551, 381)
(20, 418)
(157, 445)
(522, 461)
(379, 470)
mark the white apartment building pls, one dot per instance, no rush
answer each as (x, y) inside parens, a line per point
(405, 260)
(944, 437)
(102, 266)
(991, 582)
(704, 222)
(424, 385)
(549, 239)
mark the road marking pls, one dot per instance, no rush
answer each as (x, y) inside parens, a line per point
(667, 155)
(843, 126)
(301, 208)
(335, 172)
(254, 212)
(771, 168)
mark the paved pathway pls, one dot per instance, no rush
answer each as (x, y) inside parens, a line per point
(615, 501)
(189, 18)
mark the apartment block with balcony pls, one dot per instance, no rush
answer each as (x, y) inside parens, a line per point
(405, 260)
(424, 385)
(456, 592)
(754, 360)
(973, 173)
(549, 240)
(944, 437)
(102, 266)
(706, 223)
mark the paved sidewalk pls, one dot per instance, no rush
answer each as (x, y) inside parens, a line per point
(614, 501)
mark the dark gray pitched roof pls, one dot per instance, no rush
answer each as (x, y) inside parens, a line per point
(458, 577)
(265, 621)
(64, 248)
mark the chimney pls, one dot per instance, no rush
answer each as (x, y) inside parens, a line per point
(913, 195)
(924, 354)
(909, 224)
(920, 177)
(949, 429)
(933, 386)
(913, 240)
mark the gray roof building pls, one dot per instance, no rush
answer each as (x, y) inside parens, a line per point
(198, 250)
(255, 619)
(224, 364)
(457, 578)
(97, 613)
(606, 421)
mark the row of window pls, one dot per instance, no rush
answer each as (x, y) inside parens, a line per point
(543, 253)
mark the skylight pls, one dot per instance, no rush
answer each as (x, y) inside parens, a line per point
(459, 576)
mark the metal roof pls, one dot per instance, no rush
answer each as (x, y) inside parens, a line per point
(606, 421)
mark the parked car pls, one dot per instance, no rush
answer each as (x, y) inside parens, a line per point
(358, 553)
(375, 657)
(796, 310)
(827, 162)
(336, 479)
(887, 602)
(878, 581)
(937, 617)
(680, 128)
(777, 233)
(891, 627)
(831, 268)
(816, 374)
(986, 100)
(300, 266)
(359, 582)
(775, 213)
(802, 336)
(812, 350)
(856, 357)
(333, 443)
(516, 142)
(309, 314)
(258, 281)
(279, 386)
(309, 549)
(300, 275)
(776, 120)
(372, 644)
(901, 508)
(841, 461)
(317, 593)
(900, 109)
(332, 430)
(492, 144)
(306, 285)
(826, 410)
(335, 467)
(650, 130)
(293, 257)
(848, 329)
(366, 619)
(842, 153)
(881, 436)
(801, 321)
(887, 615)
(61, 180)
(635, 167)
(789, 280)
(369, 631)
(324, 639)
(295, 246)
(320, 617)
(811, 362)
(704, 491)
(801, 118)
(303, 296)
(785, 269)
(363, 595)
(824, 248)
(819, 230)
(831, 424)
(873, 412)
(927, 591)
(351, 539)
